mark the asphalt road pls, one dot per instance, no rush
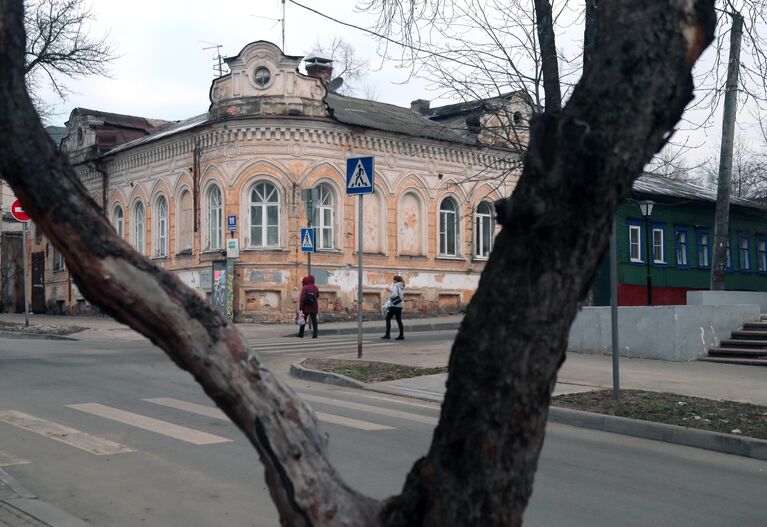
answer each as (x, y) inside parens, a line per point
(144, 446)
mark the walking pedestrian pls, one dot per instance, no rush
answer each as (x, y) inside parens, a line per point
(308, 304)
(396, 302)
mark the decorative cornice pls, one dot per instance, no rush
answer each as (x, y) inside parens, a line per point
(224, 133)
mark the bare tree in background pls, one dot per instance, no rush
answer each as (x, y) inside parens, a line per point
(346, 64)
(481, 464)
(60, 47)
(749, 172)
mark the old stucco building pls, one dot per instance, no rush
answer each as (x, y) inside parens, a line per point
(271, 132)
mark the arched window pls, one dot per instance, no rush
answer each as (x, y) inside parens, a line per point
(118, 220)
(448, 227)
(215, 218)
(138, 227)
(323, 217)
(483, 231)
(264, 215)
(185, 223)
(161, 227)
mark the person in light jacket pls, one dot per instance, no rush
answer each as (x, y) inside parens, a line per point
(310, 297)
(396, 302)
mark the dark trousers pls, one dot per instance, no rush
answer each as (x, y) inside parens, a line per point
(313, 317)
(395, 312)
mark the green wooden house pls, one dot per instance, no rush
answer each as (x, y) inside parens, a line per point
(680, 231)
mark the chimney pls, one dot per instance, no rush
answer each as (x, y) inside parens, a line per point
(319, 68)
(419, 106)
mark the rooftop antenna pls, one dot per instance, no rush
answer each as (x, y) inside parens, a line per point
(218, 64)
(278, 20)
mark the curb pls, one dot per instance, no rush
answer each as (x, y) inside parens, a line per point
(297, 370)
(25, 501)
(30, 335)
(678, 435)
(416, 328)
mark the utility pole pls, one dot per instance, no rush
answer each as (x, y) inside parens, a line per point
(721, 227)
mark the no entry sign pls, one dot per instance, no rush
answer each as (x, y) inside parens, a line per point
(17, 211)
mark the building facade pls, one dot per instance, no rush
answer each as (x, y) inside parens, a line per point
(680, 231)
(179, 191)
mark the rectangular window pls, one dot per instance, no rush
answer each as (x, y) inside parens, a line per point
(761, 255)
(704, 248)
(635, 243)
(681, 248)
(729, 255)
(658, 247)
(58, 260)
(744, 251)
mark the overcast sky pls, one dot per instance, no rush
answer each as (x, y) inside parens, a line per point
(163, 71)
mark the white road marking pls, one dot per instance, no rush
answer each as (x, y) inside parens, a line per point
(215, 413)
(69, 436)
(7, 460)
(351, 423)
(150, 424)
(372, 409)
(395, 399)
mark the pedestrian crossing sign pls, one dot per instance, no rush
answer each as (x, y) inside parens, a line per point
(307, 239)
(359, 175)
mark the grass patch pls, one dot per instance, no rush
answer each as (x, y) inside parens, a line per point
(47, 329)
(369, 371)
(727, 417)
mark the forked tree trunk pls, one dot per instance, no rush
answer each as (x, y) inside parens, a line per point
(480, 467)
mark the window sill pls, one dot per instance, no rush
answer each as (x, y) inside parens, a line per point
(332, 251)
(451, 258)
(480, 258)
(56, 271)
(158, 258)
(264, 249)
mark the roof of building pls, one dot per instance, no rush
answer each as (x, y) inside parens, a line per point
(173, 128)
(389, 118)
(126, 121)
(662, 186)
(57, 134)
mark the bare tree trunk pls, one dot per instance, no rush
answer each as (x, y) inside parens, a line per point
(722, 221)
(482, 461)
(589, 32)
(549, 61)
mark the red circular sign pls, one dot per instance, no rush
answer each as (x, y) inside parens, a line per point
(17, 211)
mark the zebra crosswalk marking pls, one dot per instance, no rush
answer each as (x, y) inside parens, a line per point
(372, 409)
(150, 424)
(63, 434)
(215, 413)
(7, 460)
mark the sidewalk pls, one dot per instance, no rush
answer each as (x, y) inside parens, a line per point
(104, 328)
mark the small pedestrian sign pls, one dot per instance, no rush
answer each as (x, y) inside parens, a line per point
(307, 239)
(359, 175)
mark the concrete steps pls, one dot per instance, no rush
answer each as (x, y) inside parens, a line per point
(748, 345)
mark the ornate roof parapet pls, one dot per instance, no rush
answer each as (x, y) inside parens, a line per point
(264, 81)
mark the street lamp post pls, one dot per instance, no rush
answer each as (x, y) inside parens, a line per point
(645, 207)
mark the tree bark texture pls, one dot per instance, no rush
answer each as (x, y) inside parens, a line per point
(722, 220)
(580, 163)
(544, 23)
(480, 467)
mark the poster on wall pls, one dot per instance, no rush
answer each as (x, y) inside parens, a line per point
(223, 285)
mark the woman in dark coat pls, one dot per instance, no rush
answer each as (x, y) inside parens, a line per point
(308, 304)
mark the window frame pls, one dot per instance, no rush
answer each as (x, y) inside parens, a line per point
(324, 192)
(118, 222)
(699, 232)
(443, 231)
(479, 227)
(636, 226)
(214, 219)
(140, 247)
(761, 255)
(659, 228)
(59, 264)
(682, 229)
(161, 227)
(744, 238)
(264, 207)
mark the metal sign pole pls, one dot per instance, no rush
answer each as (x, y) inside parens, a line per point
(359, 280)
(26, 274)
(614, 309)
(309, 255)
